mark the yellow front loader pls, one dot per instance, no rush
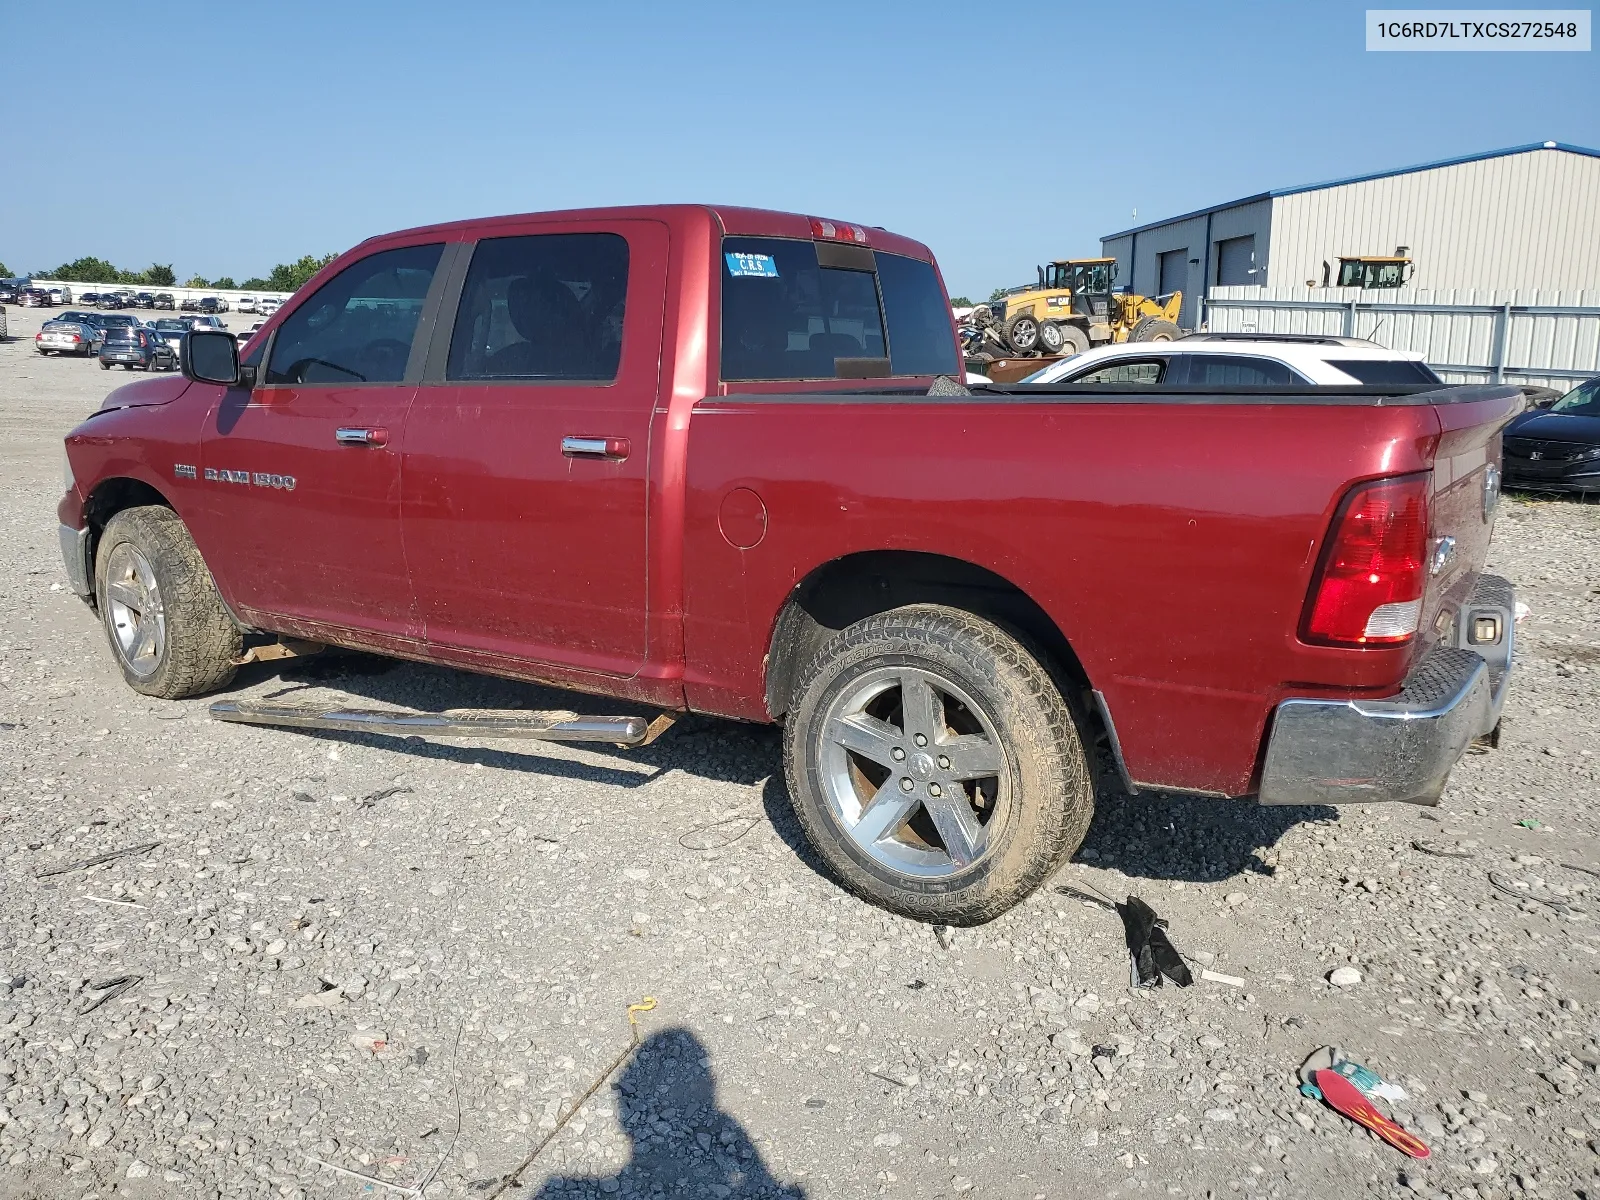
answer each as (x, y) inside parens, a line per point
(1074, 306)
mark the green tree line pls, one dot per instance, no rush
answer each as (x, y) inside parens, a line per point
(285, 277)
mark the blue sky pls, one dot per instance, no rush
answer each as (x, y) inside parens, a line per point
(232, 136)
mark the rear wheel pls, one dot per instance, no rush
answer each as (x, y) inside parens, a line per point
(1155, 329)
(1049, 337)
(168, 628)
(935, 765)
(1022, 333)
(104, 365)
(1073, 340)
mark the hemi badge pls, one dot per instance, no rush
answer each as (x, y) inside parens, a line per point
(184, 471)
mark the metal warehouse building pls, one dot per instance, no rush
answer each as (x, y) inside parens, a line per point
(1522, 218)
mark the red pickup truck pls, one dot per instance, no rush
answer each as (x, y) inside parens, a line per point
(717, 459)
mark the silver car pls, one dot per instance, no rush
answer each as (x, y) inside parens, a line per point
(68, 337)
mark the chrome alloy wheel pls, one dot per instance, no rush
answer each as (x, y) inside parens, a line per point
(914, 772)
(133, 601)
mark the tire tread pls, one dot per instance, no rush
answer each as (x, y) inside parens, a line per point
(1057, 750)
(202, 637)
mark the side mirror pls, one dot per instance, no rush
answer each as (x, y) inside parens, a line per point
(210, 356)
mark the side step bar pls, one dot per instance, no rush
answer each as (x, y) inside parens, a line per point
(526, 724)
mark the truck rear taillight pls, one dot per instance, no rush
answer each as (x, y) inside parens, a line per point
(1369, 585)
(837, 231)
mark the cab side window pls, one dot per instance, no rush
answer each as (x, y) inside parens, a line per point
(1147, 371)
(1237, 370)
(545, 306)
(358, 327)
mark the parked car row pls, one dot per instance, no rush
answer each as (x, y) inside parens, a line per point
(25, 295)
(126, 299)
(119, 339)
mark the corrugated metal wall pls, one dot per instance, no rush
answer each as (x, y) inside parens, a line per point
(1139, 255)
(1528, 220)
(1489, 332)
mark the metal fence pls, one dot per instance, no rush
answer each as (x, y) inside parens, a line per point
(1466, 335)
(180, 294)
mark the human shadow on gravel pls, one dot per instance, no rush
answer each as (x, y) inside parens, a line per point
(682, 1142)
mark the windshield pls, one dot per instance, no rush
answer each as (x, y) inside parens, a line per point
(167, 323)
(1581, 401)
(1093, 278)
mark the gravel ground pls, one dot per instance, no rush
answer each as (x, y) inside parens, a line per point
(345, 948)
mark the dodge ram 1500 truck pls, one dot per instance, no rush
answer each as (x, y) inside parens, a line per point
(717, 459)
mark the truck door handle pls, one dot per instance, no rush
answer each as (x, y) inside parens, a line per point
(361, 437)
(595, 447)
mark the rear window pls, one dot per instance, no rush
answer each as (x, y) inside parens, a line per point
(920, 341)
(785, 316)
(1385, 371)
(543, 306)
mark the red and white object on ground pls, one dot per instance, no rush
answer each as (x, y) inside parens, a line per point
(1344, 1096)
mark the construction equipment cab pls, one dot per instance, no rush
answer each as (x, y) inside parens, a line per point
(1076, 305)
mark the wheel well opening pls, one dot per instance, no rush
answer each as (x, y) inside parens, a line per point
(109, 498)
(846, 590)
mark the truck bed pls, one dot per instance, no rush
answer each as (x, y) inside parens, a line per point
(1169, 534)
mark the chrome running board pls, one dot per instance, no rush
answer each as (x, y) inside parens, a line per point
(526, 724)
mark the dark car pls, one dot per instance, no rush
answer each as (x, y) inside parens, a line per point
(34, 298)
(171, 330)
(133, 346)
(211, 304)
(145, 300)
(112, 300)
(89, 299)
(190, 304)
(8, 292)
(163, 300)
(1557, 448)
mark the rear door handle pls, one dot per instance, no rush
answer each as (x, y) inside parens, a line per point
(361, 437)
(595, 447)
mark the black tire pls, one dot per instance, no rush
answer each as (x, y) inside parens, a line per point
(1022, 333)
(105, 366)
(198, 638)
(1050, 338)
(1073, 340)
(1044, 796)
(1154, 329)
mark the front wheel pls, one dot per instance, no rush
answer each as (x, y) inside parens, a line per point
(1155, 329)
(935, 765)
(170, 632)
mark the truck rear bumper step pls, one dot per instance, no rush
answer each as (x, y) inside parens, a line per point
(1401, 748)
(525, 724)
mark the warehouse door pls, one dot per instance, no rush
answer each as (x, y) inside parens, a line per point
(1236, 262)
(1174, 271)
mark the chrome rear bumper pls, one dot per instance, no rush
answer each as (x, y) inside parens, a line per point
(1402, 747)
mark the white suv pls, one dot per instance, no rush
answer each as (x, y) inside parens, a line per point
(246, 304)
(1243, 359)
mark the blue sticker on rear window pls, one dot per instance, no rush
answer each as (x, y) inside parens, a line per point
(759, 266)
